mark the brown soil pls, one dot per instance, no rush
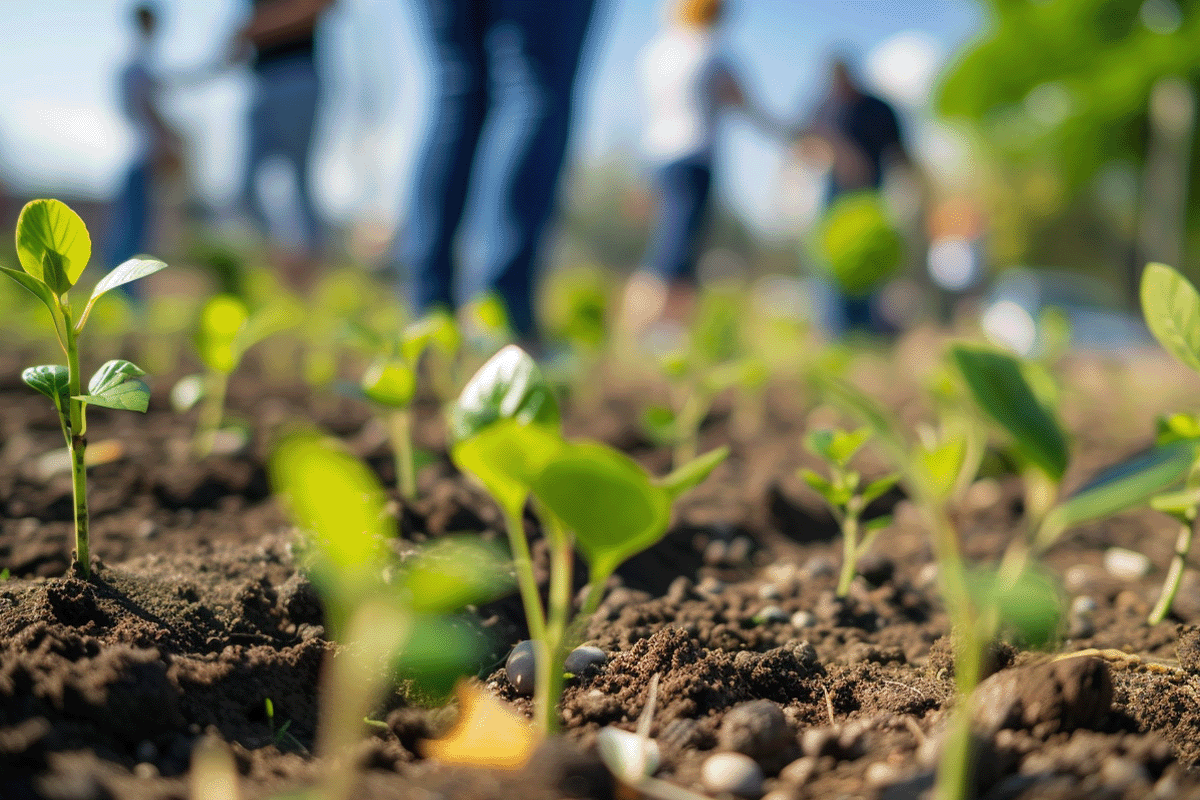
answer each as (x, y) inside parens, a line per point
(196, 614)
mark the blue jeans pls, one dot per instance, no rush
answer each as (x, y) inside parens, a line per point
(512, 64)
(684, 191)
(282, 116)
(129, 221)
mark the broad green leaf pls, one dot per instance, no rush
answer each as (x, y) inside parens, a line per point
(943, 464)
(112, 374)
(1029, 609)
(1002, 392)
(606, 499)
(54, 273)
(505, 457)
(38, 289)
(131, 395)
(439, 651)
(222, 317)
(877, 523)
(390, 382)
(452, 572)
(435, 329)
(817, 483)
(685, 478)
(49, 225)
(52, 380)
(508, 386)
(1177, 427)
(335, 499)
(846, 443)
(1125, 485)
(1171, 306)
(819, 443)
(127, 272)
(282, 314)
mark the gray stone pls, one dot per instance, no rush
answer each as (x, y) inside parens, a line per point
(757, 729)
(734, 773)
(520, 668)
(584, 658)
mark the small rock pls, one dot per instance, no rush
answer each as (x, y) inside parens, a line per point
(799, 771)
(876, 568)
(983, 494)
(520, 668)
(928, 575)
(734, 773)
(817, 742)
(147, 529)
(1126, 564)
(739, 551)
(145, 770)
(1187, 647)
(819, 567)
(757, 729)
(584, 658)
(1083, 605)
(679, 589)
(1123, 773)
(770, 614)
(711, 586)
(1059, 695)
(769, 591)
(802, 619)
(881, 773)
(716, 552)
(1081, 626)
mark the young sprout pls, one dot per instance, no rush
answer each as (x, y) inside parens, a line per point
(507, 434)
(227, 329)
(53, 247)
(846, 495)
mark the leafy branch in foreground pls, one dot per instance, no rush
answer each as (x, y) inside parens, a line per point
(53, 247)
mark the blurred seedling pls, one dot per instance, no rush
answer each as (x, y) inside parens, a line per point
(53, 247)
(382, 614)
(390, 383)
(280, 736)
(846, 494)
(227, 328)
(506, 433)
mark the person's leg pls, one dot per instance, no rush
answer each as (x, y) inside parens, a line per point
(294, 117)
(130, 222)
(258, 148)
(456, 31)
(535, 46)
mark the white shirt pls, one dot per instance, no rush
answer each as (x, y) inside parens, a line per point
(681, 71)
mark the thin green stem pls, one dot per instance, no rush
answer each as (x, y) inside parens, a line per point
(850, 527)
(212, 412)
(399, 424)
(687, 426)
(523, 564)
(1183, 544)
(76, 421)
(549, 669)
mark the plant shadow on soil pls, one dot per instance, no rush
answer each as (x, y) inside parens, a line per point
(198, 614)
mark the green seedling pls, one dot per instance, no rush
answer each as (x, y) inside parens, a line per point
(54, 248)
(227, 329)
(280, 735)
(375, 608)
(846, 494)
(507, 434)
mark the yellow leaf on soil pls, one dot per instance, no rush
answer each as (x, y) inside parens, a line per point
(488, 733)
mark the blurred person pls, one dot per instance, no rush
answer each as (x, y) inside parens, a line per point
(491, 58)
(688, 82)
(858, 135)
(280, 42)
(158, 150)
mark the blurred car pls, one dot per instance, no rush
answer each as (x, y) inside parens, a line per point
(1015, 313)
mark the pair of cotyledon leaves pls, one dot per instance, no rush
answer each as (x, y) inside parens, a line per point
(507, 433)
(53, 247)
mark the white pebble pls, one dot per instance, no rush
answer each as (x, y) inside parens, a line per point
(733, 773)
(1126, 564)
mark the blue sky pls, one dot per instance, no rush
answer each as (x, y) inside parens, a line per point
(60, 129)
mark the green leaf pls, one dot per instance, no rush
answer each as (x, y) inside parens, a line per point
(606, 499)
(878, 488)
(1177, 427)
(1181, 504)
(1125, 485)
(435, 329)
(127, 272)
(49, 225)
(132, 395)
(222, 317)
(817, 483)
(1002, 392)
(854, 401)
(659, 424)
(877, 523)
(1171, 306)
(685, 478)
(508, 386)
(112, 374)
(452, 572)
(505, 457)
(439, 651)
(54, 274)
(1029, 609)
(820, 443)
(390, 382)
(52, 380)
(845, 444)
(943, 464)
(38, 289)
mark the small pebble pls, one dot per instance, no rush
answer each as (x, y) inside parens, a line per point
(711, 586)
(802, 619)
(769, 615)
(520, 668)
(716, 552)
(145, 771)
(757, 729)
(769, 591)
(799, 771)
(679, 589)
(820, 567)
(817, 742)
(734, 773)
(1123, 773)
(1126, 564)
(1083, 605)
(584, 658)
(739, 550)
(881, 773)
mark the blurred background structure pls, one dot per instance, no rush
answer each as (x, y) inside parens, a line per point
(1056, 133)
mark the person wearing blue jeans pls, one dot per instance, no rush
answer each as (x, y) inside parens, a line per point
(511, 64)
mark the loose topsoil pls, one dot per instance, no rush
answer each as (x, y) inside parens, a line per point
(196, 614)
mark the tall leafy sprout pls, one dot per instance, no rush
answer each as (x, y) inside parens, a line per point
(53, 247)
(507, 434)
